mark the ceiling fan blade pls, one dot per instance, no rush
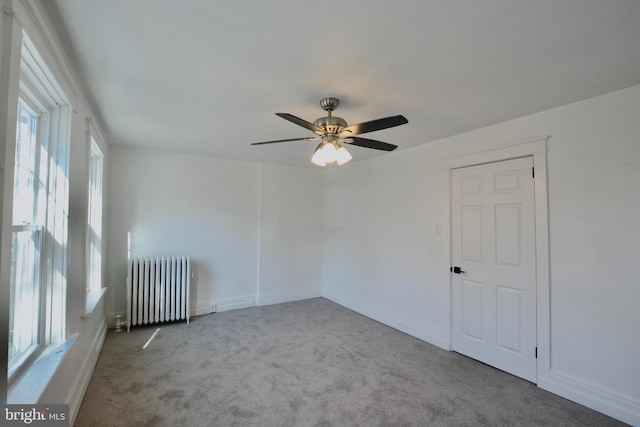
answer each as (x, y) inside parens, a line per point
(373, 125)
(300, 122)
(370, 143)
(308, 138)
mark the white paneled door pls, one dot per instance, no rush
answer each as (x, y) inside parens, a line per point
(494, 273)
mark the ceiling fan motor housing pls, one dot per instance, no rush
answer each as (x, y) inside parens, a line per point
(331, 124)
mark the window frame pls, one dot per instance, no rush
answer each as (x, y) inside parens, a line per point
(25, 357)
(41, 94)
(20, 360)
(34, 108)
(93, 293)
(30, 102)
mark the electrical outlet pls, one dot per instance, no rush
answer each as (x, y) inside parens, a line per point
(213, 308)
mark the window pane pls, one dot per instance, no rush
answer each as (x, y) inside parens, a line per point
(25, 295)
(25, 179)
(94, 231)
(25, 249)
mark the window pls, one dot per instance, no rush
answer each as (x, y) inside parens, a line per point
(37, 308)
(26, 239)
(94, 226)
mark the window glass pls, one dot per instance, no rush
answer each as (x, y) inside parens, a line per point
(24, 187)
(94, 231)
(25, 249)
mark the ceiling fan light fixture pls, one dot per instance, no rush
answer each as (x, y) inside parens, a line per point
(329, 152)
(318, 156)
(343, 156)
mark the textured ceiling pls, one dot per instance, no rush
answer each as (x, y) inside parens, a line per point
(206, 77)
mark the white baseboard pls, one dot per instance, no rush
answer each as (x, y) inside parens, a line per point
(223, 304)
(226, 304)
(287, 298)
(622, 407)
(390, 319)
(201, 307)
(86, 371)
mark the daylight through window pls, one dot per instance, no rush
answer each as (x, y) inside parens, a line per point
(37, 307)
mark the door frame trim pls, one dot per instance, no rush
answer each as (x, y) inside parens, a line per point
(537, 149)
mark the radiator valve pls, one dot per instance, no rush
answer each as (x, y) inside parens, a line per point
(119, 323)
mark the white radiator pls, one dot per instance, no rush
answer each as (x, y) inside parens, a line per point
(158, 290)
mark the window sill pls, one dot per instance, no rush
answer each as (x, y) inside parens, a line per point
(28, 388)
(92, 301)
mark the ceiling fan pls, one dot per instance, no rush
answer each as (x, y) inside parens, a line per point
(334, 130)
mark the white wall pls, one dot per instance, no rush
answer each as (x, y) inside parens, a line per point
(184, 205)
(291, 233)
(245, 248)
(383, 253)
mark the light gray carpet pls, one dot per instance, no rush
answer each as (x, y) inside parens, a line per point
(306, 363)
